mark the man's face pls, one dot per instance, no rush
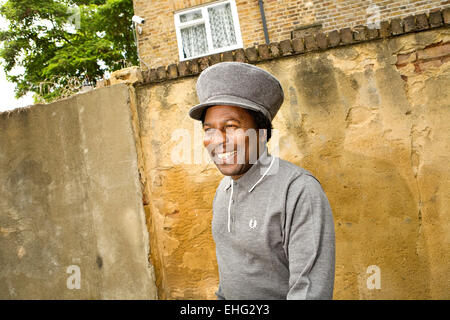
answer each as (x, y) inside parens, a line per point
(231, 138)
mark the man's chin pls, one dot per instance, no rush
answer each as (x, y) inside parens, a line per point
(230, 169)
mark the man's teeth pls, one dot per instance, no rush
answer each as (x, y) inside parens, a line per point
(225, 155)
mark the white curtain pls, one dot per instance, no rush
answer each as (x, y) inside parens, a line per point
(191, 16)
(222, 26)
(194, 41)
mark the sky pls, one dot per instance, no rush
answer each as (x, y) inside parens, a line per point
(7, 99)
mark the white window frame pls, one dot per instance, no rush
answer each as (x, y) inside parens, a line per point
(205, 20)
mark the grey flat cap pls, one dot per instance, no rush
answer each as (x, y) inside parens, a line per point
(238, 84)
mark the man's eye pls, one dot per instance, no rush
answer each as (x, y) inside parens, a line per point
(230, 126)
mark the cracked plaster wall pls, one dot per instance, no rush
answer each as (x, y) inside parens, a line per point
(371, 121)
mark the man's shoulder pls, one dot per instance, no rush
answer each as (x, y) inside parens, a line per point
(289, 171)
(301, 181)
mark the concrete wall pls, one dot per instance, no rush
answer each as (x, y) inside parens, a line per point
(371, 121)
(70, 195)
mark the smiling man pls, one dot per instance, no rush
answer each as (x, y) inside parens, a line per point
(272, 222)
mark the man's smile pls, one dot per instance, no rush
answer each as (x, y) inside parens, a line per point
(226, 155)
(225, 158)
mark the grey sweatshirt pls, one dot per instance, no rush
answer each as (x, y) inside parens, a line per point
(274, 234)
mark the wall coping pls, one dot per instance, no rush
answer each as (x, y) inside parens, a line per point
(289, 47)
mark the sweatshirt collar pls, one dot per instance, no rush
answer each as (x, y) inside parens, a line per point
(255, 174)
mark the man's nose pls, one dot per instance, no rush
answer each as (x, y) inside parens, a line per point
(219, 137)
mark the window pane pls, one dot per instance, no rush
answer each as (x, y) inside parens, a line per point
(194, 41)
(191, 16)
(222, 26)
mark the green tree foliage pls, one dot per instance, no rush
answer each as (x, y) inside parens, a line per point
(61, 44)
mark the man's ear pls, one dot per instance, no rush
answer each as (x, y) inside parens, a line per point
(262, 135)
(262, 140)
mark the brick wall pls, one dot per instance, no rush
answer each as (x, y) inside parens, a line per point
(158, 43)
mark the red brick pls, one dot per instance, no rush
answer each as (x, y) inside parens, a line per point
(397, 27)
(227, 56)
(310, 43)
(385, 29)
(161, 73)
(172, 71)
(251, 54)
(436, 19)
(409, 23)
(346, 35)
(360, 33)
(334, 38)
(422, 22)
(213, 59)
(152, 75)
(298, 45)
(445, 59)
(263, 52)
(322, 41)
(203, 63)
(274, 49)
(429, 64)
(145, 77)
(194, 66)
(446, 16)
(240, 55)
(406, 58)
(434, 52)
(183, 68)
(286, 47)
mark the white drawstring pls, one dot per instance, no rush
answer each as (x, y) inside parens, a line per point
(229, 205)
(271, 163)
(231, 196)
